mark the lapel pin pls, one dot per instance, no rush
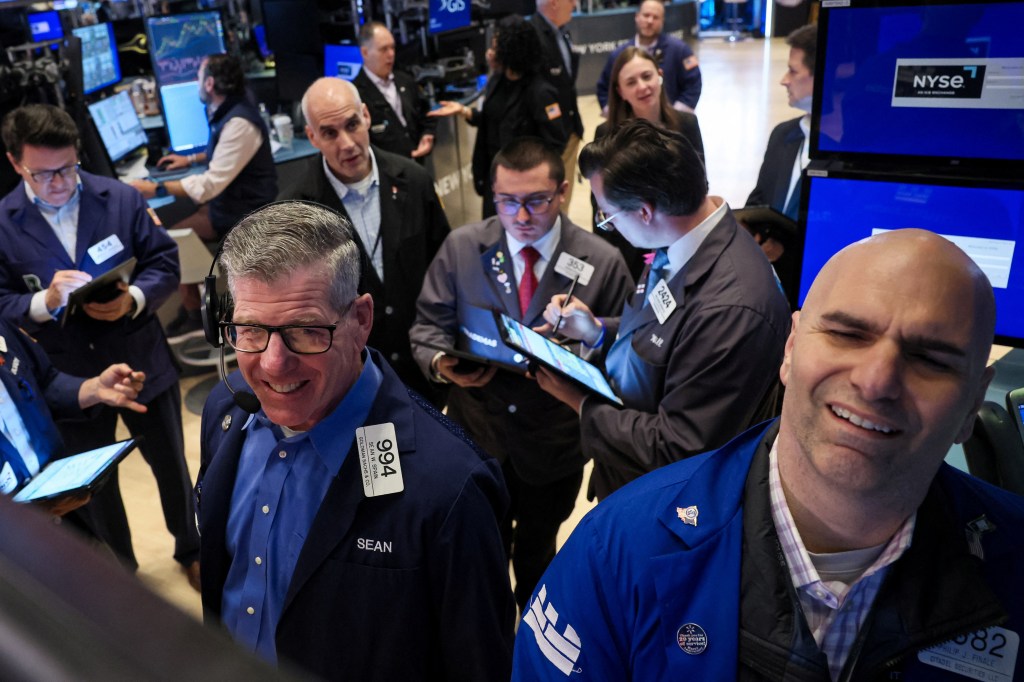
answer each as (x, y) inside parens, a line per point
(691, 638)
(688, 515)
(226, 423)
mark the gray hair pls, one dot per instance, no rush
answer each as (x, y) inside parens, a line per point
(280, 238)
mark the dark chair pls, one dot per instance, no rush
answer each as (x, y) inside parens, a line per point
(995, 450)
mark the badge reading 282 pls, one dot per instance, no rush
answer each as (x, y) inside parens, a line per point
(378, 460)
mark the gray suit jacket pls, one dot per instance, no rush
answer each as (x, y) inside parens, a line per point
(511, 417)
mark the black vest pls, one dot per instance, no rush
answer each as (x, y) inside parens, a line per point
(256, 185)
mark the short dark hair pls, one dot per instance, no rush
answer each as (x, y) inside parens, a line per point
(805, 38)
(227, 73)
(640, 162)
(367, 30)
(517, 46)
(40, 125)
(526, 153)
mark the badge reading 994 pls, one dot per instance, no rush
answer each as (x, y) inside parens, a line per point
(378, 460)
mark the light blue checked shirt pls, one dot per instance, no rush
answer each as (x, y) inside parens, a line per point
(835, 610)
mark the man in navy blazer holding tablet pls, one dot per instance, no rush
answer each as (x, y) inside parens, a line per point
(484, 266)
(60, 228)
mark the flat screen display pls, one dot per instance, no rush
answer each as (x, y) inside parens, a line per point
(184, 117)
(985, 219)
(100, 65)
(447, 15)
(118, 125)
(179, 42)
(342, 61)
(44, 26)
(77, 472)
(934, 81)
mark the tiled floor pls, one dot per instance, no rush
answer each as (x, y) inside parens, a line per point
(740, 104)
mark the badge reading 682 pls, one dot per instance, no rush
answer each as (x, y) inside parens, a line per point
(378, 460)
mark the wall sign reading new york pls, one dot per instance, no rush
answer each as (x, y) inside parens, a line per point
(959, 83)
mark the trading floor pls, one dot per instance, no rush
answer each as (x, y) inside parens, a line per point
(740, 104)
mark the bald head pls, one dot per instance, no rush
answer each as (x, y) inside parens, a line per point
(919, 265)
(338, 124)
(325, 91)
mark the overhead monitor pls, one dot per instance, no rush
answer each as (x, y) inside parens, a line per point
(984, 218)
(118, 125)
(447, 15)
(184, 117)
(931, 83)
(342, 61)
(178, 43)
(100, 65)
(43, 26)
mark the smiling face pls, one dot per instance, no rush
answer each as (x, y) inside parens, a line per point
(638, 85)
(882, 372)
(339, 126)
(298, 391)
(58, 191)
(522, 186)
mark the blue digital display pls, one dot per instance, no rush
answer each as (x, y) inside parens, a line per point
(986, 220)
(933, 81)
(185, 117)
(342, 61)
(179, 43)
(446, 15)
(100, 65)
(44, 26)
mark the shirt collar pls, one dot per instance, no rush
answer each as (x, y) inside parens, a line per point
(342, 189)
(380, 82)
(545, 245)
(681, 250)
(331, 436)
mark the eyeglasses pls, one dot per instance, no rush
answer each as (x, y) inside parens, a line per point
(303, 339)
(604, 221)
(47, 176)
(534, 204)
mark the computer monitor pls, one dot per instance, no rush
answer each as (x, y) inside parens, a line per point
(43, 26)
(933, 84)
(184, 117)
(100, 65)
(447, 15)
(984, 218)
(342, 61)
(179, 42)
(118, 125)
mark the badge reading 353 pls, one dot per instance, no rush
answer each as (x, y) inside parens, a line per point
(378, 460)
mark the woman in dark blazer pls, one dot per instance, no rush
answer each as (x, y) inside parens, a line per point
(517, 102)
(637, 93)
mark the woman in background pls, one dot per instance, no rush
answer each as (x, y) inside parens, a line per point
(637, 93)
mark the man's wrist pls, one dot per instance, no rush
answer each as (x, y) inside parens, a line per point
(600, 337)
(160, 191)
(435, 372)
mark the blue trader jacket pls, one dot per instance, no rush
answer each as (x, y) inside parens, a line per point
(639, 594)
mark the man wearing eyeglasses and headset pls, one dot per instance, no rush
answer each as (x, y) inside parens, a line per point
(696, 353)
(486, 266)
(60, 228)
(347, 526)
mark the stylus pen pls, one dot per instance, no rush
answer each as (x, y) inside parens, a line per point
(568, 297)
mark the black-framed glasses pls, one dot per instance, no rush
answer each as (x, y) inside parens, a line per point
(47, 176)
(604, 221)
(538, 203)
(303, 339)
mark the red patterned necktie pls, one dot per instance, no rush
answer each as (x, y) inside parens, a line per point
(528, 284)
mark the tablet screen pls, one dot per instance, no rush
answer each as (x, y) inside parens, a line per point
(72, 473)
(522, 338)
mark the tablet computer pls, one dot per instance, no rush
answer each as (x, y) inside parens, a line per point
(469, 361)
(100, 290)
(84, 472)
(548, 353)
(768, 222)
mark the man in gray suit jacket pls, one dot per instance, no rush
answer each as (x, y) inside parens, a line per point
(484, 266)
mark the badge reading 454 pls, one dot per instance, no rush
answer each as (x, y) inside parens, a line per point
(378, 460)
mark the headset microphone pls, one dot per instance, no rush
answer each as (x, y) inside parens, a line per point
(243, 399)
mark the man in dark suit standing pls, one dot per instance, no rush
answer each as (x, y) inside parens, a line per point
(515, 262)
(559, 65)
(60, 229)
(399, 112)
(393, 207)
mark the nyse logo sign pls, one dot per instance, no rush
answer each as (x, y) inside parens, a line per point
(939, 81)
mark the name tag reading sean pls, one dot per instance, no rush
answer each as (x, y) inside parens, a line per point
(378, 460)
